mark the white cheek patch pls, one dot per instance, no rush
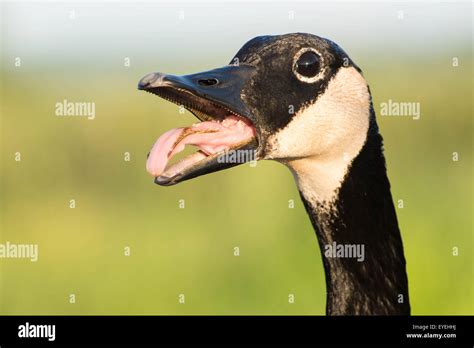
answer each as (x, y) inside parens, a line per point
(321, 141)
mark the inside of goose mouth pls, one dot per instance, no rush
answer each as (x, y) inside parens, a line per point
(220, 133)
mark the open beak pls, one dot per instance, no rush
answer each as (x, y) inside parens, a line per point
(226, 135)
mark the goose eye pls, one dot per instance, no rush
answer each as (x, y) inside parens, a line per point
(308, 64)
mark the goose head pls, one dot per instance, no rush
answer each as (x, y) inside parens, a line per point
(296, 98)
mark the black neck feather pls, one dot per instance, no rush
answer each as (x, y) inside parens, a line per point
(363, 214)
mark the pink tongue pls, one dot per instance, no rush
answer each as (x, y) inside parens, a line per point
(209, 137)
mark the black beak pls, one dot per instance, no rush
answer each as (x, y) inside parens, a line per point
(222, 86)
(209, 95)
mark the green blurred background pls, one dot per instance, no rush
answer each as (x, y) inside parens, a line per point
(79, 56)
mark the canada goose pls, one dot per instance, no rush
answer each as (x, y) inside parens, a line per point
(300, 100)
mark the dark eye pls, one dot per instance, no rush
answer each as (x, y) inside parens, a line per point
(308, 64)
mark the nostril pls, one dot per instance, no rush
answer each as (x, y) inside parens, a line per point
(208, 82)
